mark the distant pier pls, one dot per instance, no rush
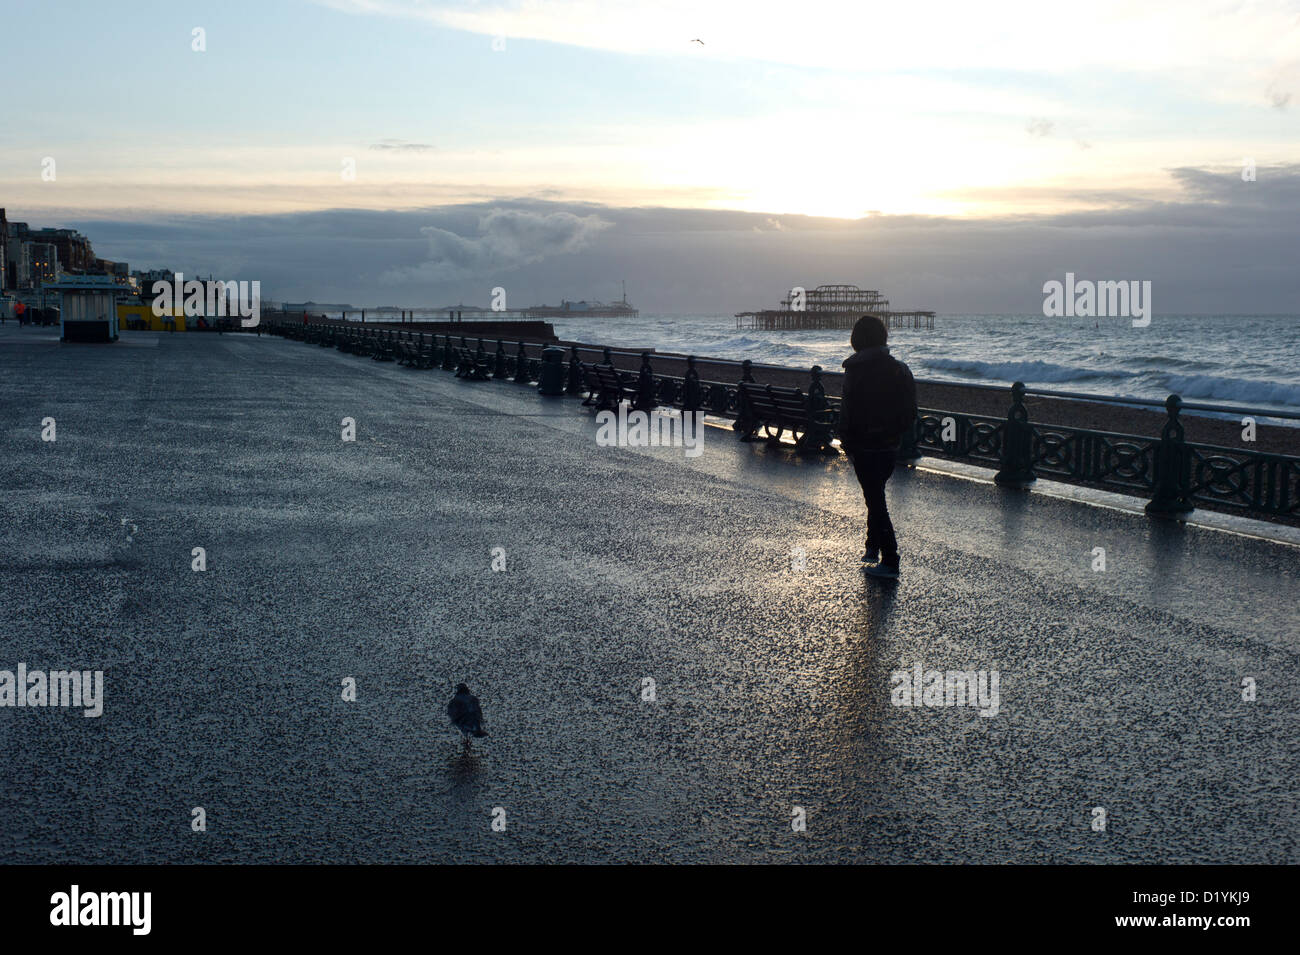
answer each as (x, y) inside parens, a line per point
(832, 306)
(787, 320)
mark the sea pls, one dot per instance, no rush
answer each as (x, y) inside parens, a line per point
(1250, 362)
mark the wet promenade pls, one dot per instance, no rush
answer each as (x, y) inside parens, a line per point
(730, 580)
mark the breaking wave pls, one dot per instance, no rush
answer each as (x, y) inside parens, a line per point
(1042, 372)
(1210, 389)
(1242, 360)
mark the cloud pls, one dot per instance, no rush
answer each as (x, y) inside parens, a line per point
(1216, 244)
(507, 239)
(398, 145)
(1208, 36)
(1040, 127)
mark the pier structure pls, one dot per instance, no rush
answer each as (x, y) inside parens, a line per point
(455, 313)
(832, 306)
(462, 312)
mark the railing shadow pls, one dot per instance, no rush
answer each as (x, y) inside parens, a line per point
(861, 697)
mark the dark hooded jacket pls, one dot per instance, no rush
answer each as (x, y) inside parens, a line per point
(879, 401)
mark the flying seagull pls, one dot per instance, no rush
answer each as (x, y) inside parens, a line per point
(465, 713)
(700, 42)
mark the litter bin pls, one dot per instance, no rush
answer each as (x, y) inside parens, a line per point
(551, 376)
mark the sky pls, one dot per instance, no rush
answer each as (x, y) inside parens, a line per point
(710, 153)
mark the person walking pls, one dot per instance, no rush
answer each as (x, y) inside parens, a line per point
(878, 406)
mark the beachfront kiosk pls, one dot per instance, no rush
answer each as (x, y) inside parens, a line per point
(88, 308)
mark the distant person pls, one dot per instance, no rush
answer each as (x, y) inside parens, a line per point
(20, 310)
(878, 406)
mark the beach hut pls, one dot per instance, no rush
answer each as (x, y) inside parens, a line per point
(87, 308)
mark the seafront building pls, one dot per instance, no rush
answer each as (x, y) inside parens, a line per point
(45, 270)
(37, 265)
(31, 257)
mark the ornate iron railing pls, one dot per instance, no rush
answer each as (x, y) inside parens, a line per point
(1174, 474)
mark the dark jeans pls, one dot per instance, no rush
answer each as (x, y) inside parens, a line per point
(873, 469)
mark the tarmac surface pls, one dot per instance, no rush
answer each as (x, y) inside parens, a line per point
(223, 689)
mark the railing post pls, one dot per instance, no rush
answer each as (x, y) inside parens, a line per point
(608, 357)
(574, 386)
(521, 365)
(645, 386)
(745, 422)
(819, 434)
(690, 387)
(1172, 467)
(1017, 444)
(503, 365)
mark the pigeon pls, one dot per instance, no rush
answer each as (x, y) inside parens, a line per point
(465, 713)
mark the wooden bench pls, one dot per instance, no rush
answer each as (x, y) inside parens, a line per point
(450, 360)
(777, 410)
(407, 354)
(420, 354)
(470, 366)
(430, 352)
(607, 386)
(415, 354)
